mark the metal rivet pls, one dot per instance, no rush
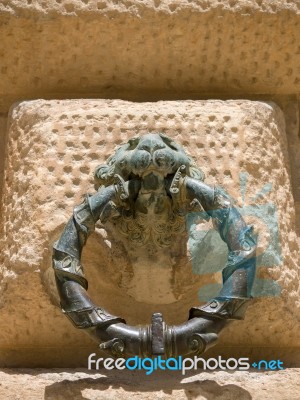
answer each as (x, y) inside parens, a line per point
(213, 304)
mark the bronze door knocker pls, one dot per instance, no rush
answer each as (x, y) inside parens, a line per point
(152, 178)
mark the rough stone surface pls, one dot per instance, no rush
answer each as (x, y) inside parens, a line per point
(81, 384)
(292, 127)
(3, 123)
(147, 49)
(53, 148)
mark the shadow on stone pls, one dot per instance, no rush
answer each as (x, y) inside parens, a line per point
(109, 387)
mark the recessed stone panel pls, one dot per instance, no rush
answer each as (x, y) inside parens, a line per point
(53, 149)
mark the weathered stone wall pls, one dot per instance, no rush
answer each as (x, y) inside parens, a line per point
(75, 385)
(53, 148)
(3, 125)
(145, 51)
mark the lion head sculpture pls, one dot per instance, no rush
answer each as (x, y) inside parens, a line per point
(141, 155)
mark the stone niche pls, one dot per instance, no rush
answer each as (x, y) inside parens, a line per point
(52, 151)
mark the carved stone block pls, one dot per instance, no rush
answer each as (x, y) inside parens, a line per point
(53, 149)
